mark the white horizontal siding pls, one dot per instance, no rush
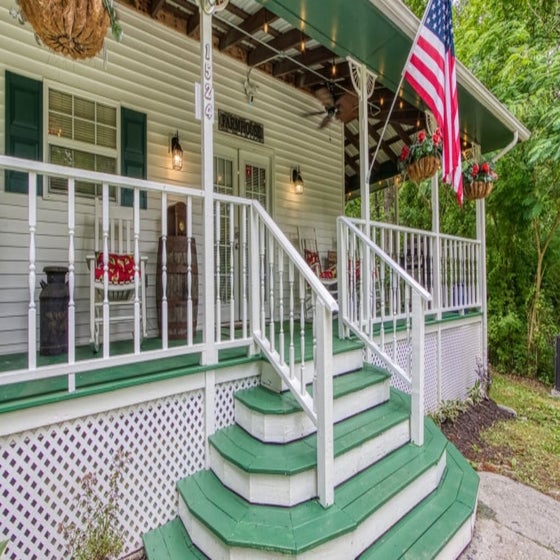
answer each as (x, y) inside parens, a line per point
(154, 70)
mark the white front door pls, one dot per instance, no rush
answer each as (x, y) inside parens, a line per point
(237, 172)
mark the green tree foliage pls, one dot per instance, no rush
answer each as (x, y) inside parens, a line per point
(513, 48)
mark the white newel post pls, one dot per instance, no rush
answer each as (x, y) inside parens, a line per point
(481, 236)
(417, 392)
(323, 401)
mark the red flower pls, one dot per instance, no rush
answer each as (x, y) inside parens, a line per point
(421, 136)
(485, 167)
(404, 152)
(475, 170)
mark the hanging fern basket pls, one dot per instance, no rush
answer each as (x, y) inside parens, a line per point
(477, 189)
(422, 169)
(74, 28)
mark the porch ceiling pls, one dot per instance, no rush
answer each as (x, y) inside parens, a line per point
(268, 35)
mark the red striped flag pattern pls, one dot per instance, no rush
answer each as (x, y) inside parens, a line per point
(431, 72)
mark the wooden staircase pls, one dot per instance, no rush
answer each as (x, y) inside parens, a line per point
(393, 499)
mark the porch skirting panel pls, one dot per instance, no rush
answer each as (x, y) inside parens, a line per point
(453, 351)
(163, 438)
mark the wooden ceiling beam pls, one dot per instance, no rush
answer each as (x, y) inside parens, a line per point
(155, 7)
(249, 25)
(308, 79)
(310, 57)
(282, 42)
(193, 24)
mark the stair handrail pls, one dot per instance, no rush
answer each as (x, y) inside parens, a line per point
(362, 324)
(319, 407)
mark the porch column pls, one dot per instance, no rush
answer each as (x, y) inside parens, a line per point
(436, 280)
(207, 8)
(363, 81)
(436, 288)
(481, 236)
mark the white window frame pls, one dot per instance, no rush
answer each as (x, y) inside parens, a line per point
(50, 139)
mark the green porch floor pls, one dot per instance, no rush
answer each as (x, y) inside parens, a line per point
(27, 394)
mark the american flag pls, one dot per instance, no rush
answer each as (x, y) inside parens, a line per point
(431, 72)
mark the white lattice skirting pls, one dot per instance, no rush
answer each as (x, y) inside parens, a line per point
(165, 440)
(448, 374)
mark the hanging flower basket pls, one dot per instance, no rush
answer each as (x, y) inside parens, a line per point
(74, 28)
(478, 180)
(421, 159)
(422, 169)
(477, 189)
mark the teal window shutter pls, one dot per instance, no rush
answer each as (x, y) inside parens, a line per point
(133, 153)
(24, 127)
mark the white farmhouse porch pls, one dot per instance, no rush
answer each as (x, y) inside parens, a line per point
(333, 391)
(288, 333)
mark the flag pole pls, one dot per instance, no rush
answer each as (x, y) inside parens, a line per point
(423, 20)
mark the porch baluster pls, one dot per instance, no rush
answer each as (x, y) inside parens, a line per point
(408, 326)
(71, 282)
(262, 278)
(280, 267)
(32, 313)
(394, 310)
(164, 326)
(105, 233)
(244, 272)
(291, 285)
(136, 225)
(302, 291)
(190, 318)
(217, 273)
(270, 275)
(231, 271)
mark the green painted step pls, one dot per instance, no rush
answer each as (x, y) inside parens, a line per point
(265, 401)
(255, 456)
(426, 529)
(299, 528)
(171, 541)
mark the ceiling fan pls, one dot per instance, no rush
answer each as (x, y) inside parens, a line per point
(340, 106)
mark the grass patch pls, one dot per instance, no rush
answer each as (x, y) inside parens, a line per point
(529, 446)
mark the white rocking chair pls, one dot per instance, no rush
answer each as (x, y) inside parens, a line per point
(120, 273)
(310, 252)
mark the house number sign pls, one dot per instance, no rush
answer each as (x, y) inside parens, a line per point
(208, 89)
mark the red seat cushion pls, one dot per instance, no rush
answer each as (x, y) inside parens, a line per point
(121, 268)
(312, 259)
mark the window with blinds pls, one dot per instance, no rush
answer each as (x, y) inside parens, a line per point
(81, 133)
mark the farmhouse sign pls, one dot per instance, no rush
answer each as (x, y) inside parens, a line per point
(234, 124)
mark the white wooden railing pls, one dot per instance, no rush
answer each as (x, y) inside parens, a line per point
(279, 298)
(446, 266)
(265, 297)
(378, 299)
